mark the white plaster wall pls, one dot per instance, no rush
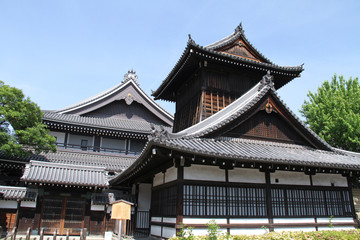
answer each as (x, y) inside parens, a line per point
(335, 220)
(291, 178)
(113, 143)
(203, 220)
(8, 204)
(97, 207)
(170, 174)
(294, 220)
(158, 179)
(156, 219)
(144, 197)
(325, 179)
(203, 172)
(169, 220)
(155, 230)
(169, 232)
(248, 220)
(246, 175)
(60, 136)
(247, 231)
(28, 204)
(76, 139)
(304, 229)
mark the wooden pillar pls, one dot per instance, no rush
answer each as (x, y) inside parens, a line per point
(227, 197)
(268, 200)
(351, 200)
(66, 139)
(180, 196)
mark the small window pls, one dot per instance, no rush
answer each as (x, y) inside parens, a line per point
(84, 144)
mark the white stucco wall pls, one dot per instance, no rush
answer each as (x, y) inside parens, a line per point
(155, 230)
(28, 204)
(144, 197)
(291, 178)
(169, 232)
(76, 139)
(205, 173)
(97, 207)
(170, 174)
(158, 179)
(60, 136)
(113, 143)
(244, 175)
(325, 179)
(5, 204)
(203, 220)
(248, 220)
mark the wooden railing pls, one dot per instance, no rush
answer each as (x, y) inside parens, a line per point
(96, 149)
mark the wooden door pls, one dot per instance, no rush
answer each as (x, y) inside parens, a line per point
(61, 214)
(7, 219)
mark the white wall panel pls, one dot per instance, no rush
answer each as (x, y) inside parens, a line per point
(60, 136)
(203, 172)
(158, 179)
(170, 174)
(246, 175)
(155, 230)
(248, 220)
(5, 204)
(326, 179)
(144, 197)
(291, 178)
(169, 232)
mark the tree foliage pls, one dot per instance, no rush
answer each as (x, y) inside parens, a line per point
(26, 119)
(333, 112)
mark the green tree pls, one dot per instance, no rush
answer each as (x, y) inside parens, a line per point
(25, 117)
(333, 112)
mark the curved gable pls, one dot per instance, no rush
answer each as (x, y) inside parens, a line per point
(124, 96)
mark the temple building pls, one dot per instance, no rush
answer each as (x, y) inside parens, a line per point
(234, 152)
(69, 190)
(237, 154)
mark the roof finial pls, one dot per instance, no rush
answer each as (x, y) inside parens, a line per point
(239, 29)
(190, 39)
(130, 75)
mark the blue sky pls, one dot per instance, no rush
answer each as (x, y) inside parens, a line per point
(61, 52)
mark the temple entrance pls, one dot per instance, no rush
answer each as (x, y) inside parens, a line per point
(62, 214)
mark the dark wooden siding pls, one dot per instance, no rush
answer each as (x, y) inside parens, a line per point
(267, 126)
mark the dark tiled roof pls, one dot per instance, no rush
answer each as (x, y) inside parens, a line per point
(244, 150)
(129, 79)
(109, 162)
(208, 52)
(102, 123)
(18, 193)
(239, 31)
(263, 151)
(65, 174)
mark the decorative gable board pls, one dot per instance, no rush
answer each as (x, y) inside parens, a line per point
(239, 48)
(267, 120)
(121, 110)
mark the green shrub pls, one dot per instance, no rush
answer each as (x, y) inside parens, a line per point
(319, 235)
